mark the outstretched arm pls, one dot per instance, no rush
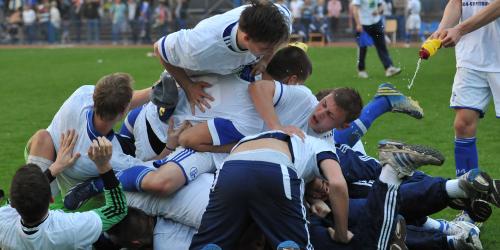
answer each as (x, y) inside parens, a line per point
(65, 157)
(451, 16)
(339, 199)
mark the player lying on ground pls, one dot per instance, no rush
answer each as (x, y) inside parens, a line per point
(27, 222)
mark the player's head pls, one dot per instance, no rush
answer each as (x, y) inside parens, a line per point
(336, 110)
(30, 193)
(134, 231)
(317, 189)
(263, 27)
(290, 65)
(112, 96)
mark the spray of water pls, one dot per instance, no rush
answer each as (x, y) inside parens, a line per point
(415, 75)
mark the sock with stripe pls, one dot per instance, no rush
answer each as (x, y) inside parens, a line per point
(465, 155)
(453, 189)
(130, 178)
(389, 176)
(433, 224)
(375, 108)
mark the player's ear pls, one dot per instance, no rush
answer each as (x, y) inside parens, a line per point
(136, 243)
(51, 199)
(345, 125)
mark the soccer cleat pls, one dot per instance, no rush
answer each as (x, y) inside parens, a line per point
(211, 247)
(79, 194)
(399, 235)
(399, 102)
(478, 184)
(362, 74)
(457, 227)
(392, 71)
(466, 241)
(405, 158)
(476, 210)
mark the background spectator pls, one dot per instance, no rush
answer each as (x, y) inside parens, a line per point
(44, 20)
(118, 13)
(29, 22)
(296, 9)
(163, 19)
(90, 10)
(145, 13)
(132, 20)
(307, 17)
(54, 22)
(334, 7)
(181, 14)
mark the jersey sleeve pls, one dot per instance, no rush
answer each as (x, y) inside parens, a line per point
(115, 208)
(278, 93)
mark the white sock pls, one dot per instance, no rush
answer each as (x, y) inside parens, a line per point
(431, 223)
(453, 190)
(44, 164)
(389, 176)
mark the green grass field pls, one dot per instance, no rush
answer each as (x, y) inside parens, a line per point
(35, 82)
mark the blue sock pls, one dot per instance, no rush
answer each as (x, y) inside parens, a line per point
(130, 178)
(465, 155)
(359, 127)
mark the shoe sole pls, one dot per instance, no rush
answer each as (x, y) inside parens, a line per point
(495, 193)
(478, 210)
(438, 158)
(399, 236)
(395, 74)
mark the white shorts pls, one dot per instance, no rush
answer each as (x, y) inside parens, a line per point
(473, 89)
(172, 235)
(192, 163)
(413, 22)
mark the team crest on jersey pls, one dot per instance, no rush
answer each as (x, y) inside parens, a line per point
(161, 111)
(193, 172)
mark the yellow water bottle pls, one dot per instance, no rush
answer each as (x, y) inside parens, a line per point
(429, 48)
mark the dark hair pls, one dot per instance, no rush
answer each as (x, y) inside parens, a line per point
(289, 61)
(350, 101)
(322, 93)
(263, 22)
(112, 95)
(136, 226)
(30, 193)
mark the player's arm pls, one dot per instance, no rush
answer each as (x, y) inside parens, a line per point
(198, 137)
(262, 93)
(478, 20)
(172, 138)
(115, 207)
(355, 14)
(194, 90)
(140, 97)
(65, 157)
(451, 16)
(339, 199)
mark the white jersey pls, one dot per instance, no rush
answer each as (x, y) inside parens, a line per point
(414, 7)
(185, 206)
(58, 231)
(169, 234)
(480, 49)
(143, 148)
(210, 47)
(307, 154)
(77, 113)
(366, 9)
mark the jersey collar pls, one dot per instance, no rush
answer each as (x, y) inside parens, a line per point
(230, 38)
(92, 132)
(29, 230)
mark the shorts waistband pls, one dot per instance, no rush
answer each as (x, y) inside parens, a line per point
(267, 155)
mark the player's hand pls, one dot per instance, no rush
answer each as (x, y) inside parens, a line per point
(65, 157)
(173, 134)
(197, 96)
(359, 28)
(338, 238)
(292, 130)
(100, 152)
(259, 68)
(320, 208)
(439, 34)
(452, 37)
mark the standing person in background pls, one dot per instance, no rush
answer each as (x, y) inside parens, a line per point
(163, 19)
(477, 78)
(76, 18)
(181, 14)
(367, 18)
(65, 10)
(90, 10)
(29, 22)
(307, 17)
(296, 9)
(334, 7)
(413, 22)
(55, 22)
(118, 14)
(132, 20)
(145, 12)
(44, 19)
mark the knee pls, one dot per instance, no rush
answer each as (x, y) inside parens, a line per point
(41, 144)
(464, 127)
(160, 184)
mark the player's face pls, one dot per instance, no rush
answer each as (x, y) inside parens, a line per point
(317, 189)
(260, 48)
(327, 116)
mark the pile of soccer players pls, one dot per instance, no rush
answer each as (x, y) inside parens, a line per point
(230, 150)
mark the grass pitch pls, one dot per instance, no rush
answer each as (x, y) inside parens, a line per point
(35, 82)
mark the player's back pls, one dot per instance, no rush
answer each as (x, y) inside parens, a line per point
(58, 231)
